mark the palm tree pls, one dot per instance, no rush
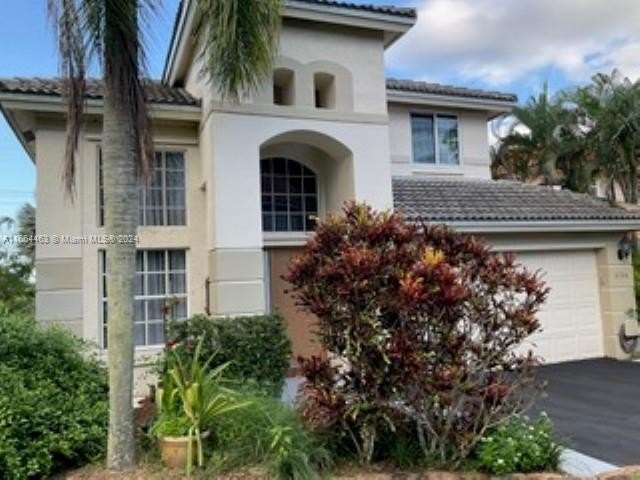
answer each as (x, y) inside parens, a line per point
(610, 112)
(543, 145)
(240, 39)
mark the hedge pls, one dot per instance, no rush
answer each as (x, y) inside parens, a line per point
(53, 401)
(257, 347)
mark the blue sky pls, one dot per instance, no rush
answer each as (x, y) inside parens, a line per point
(506, 45)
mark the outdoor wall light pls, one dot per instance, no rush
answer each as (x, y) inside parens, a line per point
(625, 246)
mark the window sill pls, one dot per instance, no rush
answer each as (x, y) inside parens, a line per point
(285, 239)
(437, 169)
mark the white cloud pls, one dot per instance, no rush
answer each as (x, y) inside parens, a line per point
(502, 41)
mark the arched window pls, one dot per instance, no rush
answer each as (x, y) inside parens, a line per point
(289, 196)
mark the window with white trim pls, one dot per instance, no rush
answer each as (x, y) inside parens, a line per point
(289, 196)
(160, 292)
(434, 139)
(162, 201)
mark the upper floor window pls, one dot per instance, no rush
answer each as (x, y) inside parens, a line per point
(324, 86)
(162, 201)
(283, 86)
(289, 196)
(435, 139)
(160, 291)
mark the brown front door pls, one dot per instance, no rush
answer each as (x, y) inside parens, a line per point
(300, 324)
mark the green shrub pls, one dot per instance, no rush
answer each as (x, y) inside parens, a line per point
(53, 401)
(257, 348)
(519, 446)
(268, 433)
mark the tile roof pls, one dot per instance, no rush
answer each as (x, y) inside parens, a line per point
(413, 86)
(451, 201)
(385, 9)
(156, 91)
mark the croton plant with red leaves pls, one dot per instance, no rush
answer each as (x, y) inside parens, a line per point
(422, 327)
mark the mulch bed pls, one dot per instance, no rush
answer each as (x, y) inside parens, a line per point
(374, 472)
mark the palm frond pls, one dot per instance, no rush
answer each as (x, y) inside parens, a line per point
(124, 60)
(65, 18)
(84, 29)
(240, 40)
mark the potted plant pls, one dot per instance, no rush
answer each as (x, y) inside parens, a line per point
(190, 398)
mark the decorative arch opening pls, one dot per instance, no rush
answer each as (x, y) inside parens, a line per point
(283, 86)
(289, 195)
(324, 87)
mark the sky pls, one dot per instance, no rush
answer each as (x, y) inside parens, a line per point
(506, 45)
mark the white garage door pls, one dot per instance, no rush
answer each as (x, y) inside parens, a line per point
(571, 322)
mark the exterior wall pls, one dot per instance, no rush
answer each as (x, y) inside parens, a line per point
(473, 138)
(617, 298)
(354, 56)
(67, 280)
(350, 158)
(59, 269)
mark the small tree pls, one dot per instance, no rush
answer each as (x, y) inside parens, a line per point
(424, 326)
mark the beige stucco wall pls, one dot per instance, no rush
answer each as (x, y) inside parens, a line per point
(473, 138)
(354, 56)
(350, 158)
(67, 276)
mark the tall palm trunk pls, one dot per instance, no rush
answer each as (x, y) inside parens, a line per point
(121, 219)
(121, 216)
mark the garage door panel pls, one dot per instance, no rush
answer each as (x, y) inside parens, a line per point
(571, 318)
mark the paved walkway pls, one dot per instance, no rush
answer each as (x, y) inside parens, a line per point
(595, 406)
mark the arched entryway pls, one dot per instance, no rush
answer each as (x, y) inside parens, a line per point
(304, 176)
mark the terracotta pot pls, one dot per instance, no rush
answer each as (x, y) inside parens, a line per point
(174, 451)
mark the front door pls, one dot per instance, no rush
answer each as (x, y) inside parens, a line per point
(300, 325)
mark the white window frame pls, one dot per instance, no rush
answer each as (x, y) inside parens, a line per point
(163, 151)
(437, 164)
(103, 299)
(289, 233)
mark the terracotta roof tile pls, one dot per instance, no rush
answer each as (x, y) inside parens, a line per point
(156, 92)
(450, 201)
(386, 9)
(413, 86)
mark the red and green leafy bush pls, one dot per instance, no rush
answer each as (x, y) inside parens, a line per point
(421, 326)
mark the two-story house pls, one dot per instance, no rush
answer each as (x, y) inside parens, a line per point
(236, 185)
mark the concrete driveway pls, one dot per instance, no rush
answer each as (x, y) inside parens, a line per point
(595, 406)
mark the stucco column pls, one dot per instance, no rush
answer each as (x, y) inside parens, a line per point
(236, 271)
(617, 298)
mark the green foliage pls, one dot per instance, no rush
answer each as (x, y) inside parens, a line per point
(256, 348)
(268, 433)
(635, 259)
(576, 137)
(53, 401)
(26, 220)
(17, 292)
(543, 145)
(192, 391)
(519, 446)
(170, 424)
(610, 106)
(241, 39)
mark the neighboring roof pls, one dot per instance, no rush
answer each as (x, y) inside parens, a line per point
(385, 9)
(467, 202)
(53, 87)
(412, 86)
